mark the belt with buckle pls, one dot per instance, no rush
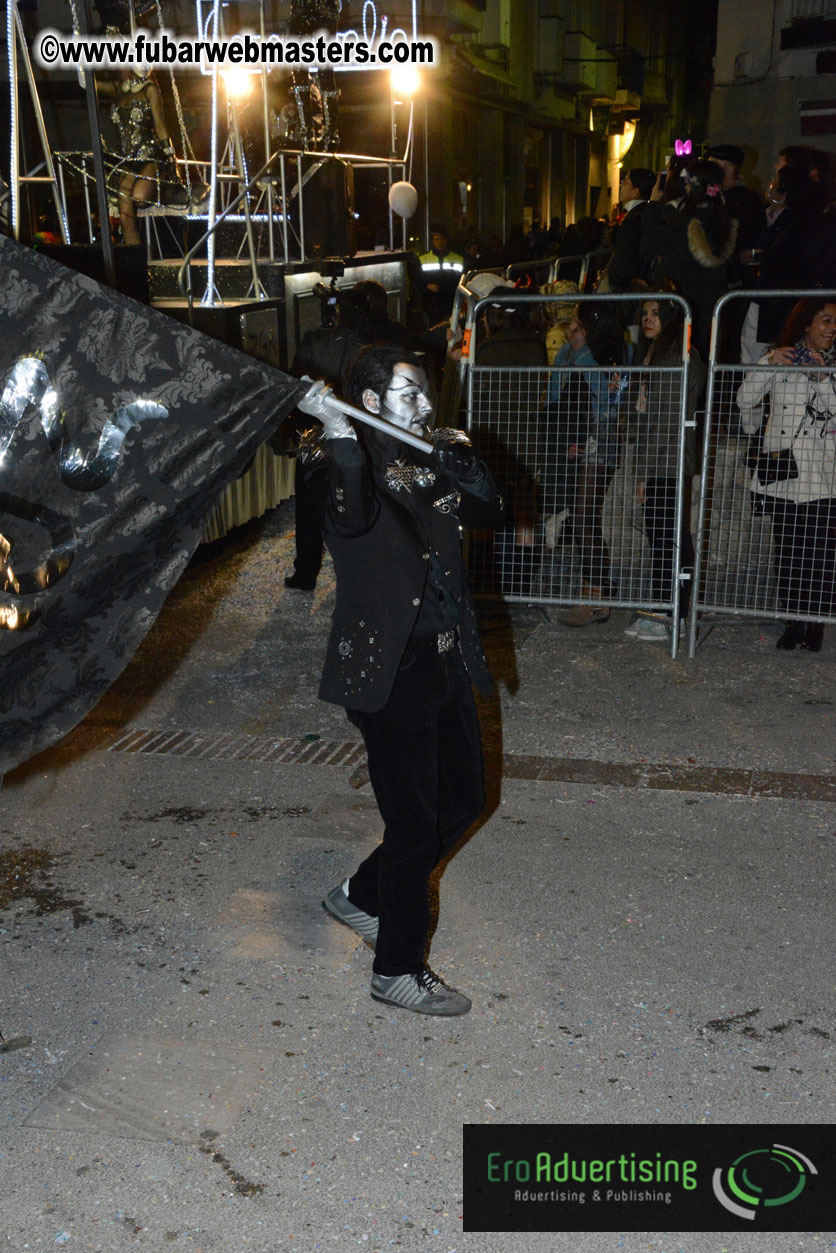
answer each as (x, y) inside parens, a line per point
(446, 640)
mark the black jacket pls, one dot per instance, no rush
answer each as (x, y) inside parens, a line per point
(746, 207)
(676, 247)
(380, 540)
(326, 353)
(512, 345)
(625, 263)
(784, 263)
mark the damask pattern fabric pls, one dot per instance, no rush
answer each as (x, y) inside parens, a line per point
(119, 427)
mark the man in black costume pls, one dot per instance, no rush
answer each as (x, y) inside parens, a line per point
(403, 651)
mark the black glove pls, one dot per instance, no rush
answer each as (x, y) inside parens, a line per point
(460, 461)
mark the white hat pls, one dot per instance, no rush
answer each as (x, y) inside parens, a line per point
(483, 283)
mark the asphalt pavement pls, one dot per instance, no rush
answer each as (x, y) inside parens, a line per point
(643, 920)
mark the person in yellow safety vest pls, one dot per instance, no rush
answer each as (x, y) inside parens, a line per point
(441, 270)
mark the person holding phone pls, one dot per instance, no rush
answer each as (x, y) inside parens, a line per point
(690, 245)
(795, 476)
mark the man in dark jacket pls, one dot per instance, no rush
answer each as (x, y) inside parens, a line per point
(744, 204)
(403, 651)
(747, 209)
(624, 264)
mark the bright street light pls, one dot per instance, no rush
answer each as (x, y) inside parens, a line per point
(238, 83)
(405, 82)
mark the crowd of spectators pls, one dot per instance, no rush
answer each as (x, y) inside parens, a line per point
(696, 231)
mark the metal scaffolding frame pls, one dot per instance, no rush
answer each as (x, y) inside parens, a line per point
(275, 192)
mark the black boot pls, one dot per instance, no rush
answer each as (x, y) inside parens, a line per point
(793, 635)
(813, 637)
(304, 583)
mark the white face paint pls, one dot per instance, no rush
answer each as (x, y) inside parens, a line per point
(406, 402)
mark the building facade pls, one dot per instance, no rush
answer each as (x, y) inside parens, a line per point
(534, 107)
(774, 79)
(539, 102)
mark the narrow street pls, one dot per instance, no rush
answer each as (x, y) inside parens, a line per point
(643, 921)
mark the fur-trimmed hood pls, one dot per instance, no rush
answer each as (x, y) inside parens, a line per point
(701, 250)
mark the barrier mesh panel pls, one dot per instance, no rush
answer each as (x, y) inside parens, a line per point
(589, 462)
(769, 493)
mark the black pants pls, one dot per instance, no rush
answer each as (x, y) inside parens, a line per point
(425, 766)
(660, 525)
(309, 489)
(804, 552)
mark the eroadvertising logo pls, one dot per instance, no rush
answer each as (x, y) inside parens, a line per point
(762, 1177)
(649, 1177)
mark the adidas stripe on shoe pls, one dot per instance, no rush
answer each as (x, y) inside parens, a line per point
(423, 993)
(340, 907)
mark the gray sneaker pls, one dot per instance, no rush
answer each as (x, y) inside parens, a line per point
(341, 908)
(424, 993)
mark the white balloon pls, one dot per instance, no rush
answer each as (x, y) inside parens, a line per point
(403, 199)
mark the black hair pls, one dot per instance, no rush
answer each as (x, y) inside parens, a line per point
(673, 187)
(604, 326)
(503, 312)
(375, 298)
(498, 315)
(704, 199)
(794, 185)
(671, 316)
(703, 178)
(643, 180)
(372, 370)
(353, 309)
(806, 159)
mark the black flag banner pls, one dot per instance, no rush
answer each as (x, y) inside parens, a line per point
(119, 427)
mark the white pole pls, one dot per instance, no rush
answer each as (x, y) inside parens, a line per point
(209, 295)
(14, 154)
(379, 424)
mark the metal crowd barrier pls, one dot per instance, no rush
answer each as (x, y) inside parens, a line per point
(455, 367)
(537, 269)
(462, 323)
(766, 537)
(596, 506)
(582, 269)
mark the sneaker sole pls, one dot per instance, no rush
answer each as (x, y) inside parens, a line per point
(345, 923)
(416, 1009)
(598, 620)
(658, 635)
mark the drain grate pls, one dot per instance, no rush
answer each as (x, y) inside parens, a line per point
(220, 746)
(310, 751)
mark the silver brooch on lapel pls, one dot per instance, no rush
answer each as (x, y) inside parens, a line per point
(400, 476)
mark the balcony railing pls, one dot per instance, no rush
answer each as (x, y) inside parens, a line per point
(809, 10)
(630, 66)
